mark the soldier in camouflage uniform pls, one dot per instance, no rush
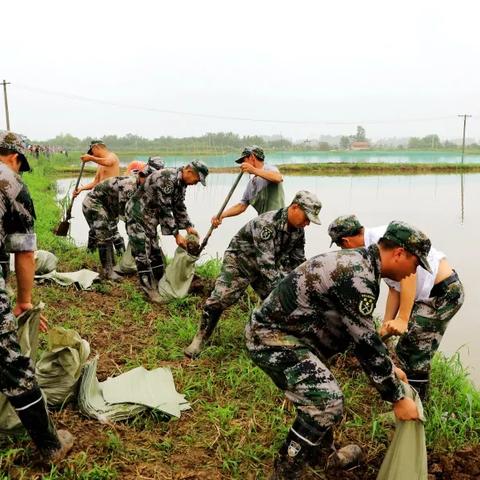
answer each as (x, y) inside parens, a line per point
(263, 252)
(104, 206)
(322, 308)
(17, 373)
(161, 200)
(419, 307)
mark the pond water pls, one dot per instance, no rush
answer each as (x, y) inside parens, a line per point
(446, 207)
(280, 158)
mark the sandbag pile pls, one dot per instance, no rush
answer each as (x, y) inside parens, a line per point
(59, 369)
(128, 394)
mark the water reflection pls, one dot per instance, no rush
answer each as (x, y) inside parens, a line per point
(428, 201)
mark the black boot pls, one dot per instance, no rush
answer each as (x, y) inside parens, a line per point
(208, 322)
(148, 283)
(92, 241)
(157, 270)
(105, 252)
(119, 245)
(302, 441)
(32, 411)
(421, 383)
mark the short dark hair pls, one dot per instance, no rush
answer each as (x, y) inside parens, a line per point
(388, 244)
(6, 151)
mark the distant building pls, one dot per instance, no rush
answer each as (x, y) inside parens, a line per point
(359, 146)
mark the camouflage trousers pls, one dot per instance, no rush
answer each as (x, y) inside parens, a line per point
(306, 381)
(102, 227)
(17, 374)
(143, 236)
(231, 284)
(428, 322)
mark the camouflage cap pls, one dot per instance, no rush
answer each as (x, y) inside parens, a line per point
(343, 226)
(201, 169)
(16, 143)
(310, 204)
(153, 164)
(93, 143)
(247, 151)
(411, 239)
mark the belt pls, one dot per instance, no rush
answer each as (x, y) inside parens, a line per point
(441, 287)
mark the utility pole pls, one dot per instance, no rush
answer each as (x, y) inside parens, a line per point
(5, 83)
(464, 126)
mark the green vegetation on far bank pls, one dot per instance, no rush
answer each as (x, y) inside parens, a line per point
(238, 417)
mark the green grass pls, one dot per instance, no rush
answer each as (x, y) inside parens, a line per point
(238, 417)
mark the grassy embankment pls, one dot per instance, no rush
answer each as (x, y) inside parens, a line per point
(238, 417)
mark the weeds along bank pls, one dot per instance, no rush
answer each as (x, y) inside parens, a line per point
(238, 417)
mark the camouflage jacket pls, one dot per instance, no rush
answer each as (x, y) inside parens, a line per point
(162, 196)
(17, 214)
(326, 304)
(265, 248)
(112, 194)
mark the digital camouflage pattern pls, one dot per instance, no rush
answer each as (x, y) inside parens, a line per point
(13, 141)
(17, 217)
(411, 239)
(247, 151)
(343, 226)
(322, 308)
(310, 204)
(428, 321)
(160, 201)
(104, 206)
(260, 254)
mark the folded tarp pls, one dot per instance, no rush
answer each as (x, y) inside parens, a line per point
(59, 369)
(82, 279)
(129, 394)
(27, 334)
(406, 458)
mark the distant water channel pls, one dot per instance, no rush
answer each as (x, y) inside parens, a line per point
(446, 207)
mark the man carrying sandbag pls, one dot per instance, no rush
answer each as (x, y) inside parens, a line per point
(419, 308)
(322, 308)
(160, 201)
(264, 251)
(104, 206)
(17, 374)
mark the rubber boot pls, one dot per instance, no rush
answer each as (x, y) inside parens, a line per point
(105, 252)
(157, 270)
(207, 325)
(92, 241)
(149, 284)
(119, 245)
(302, 440)
(32, 411)
(421, 383)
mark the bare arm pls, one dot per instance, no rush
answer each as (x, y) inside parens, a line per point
(398, 313)
(271, 176)
(104, 162)
(24, 270)
(230, 212)
(88, 186)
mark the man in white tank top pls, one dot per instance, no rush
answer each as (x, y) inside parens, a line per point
(420, 306)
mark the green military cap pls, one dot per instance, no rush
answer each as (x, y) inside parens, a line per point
(201, 169)
(93, 143)
(343, 226)
(16, 143)
(153, 164)
(411, 239)
(310, 204)
(247, 151)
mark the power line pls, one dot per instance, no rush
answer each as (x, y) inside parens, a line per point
(223, 117)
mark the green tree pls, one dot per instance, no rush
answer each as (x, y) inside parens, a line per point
(345, 142)
(361, 134)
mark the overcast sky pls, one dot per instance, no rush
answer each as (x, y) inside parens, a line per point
(306, 67)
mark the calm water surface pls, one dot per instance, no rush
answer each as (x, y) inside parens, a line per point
(446, 207)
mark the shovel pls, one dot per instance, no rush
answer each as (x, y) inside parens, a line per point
(64, 225)
(222, 208)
